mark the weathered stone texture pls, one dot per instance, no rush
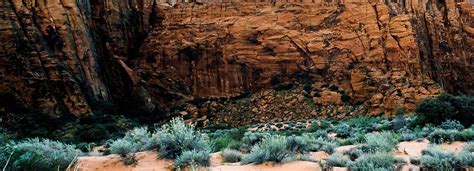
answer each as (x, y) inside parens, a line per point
(65, 57)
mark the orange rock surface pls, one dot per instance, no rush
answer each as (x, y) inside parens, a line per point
(66, 57)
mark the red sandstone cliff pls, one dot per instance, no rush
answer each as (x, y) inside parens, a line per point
(64, 57)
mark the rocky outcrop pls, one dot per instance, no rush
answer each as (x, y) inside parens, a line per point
(67, 57)
(346, 57)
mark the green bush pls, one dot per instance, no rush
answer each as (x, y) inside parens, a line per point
(466, 135)
(374, 161)
(440, 136)
(466, 159)
(354, 153)
(272, 149)
(434, 158)
(36, 154)
(469, 147)
(252, 138)
(135, 140)
(343, 130)
(193, 158)
(415, 161)
(176, 137)
(222, 142)
(383, 141)
(407, 135)
(122, 147)
(452, 124)
(231, 156)
(446, 106)
(337, 160)
(321, 144)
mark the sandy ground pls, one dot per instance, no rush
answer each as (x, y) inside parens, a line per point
(147, 161)
(290, 166)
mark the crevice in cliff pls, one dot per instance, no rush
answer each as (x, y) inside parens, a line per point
(383, 38)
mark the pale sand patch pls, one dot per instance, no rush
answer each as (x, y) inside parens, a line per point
(147, 161)
(216, 159)
(290, 166)
(345, 148)
(317, 156)
(414, 148)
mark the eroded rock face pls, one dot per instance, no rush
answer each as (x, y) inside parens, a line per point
(64, 57)
(374, 53)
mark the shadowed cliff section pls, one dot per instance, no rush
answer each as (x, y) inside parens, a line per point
(72, 57)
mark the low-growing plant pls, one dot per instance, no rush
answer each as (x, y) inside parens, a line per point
(452, 124)
(231, 156)
(440, 136)
(176, 137)
(343, 130)
(466, 159)
(337, 160)
(434, 158)
(469, 147)
(122, 147)
(466, 135)
(130, 159)
(38, 154)
(415, 161)
(193, 158)
(272, 149)
(383, 141)
(374, 161)
(254, 137)
(222, 142)
(321, 144)
(354, 153)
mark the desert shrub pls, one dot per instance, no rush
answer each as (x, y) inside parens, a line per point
(39, 154)
(254, 137)
(193, 158)
(299, 144)
(231, 156)
(122, 147)
(318, 133)
(466, 135)
(354, 139)
(415, 160)
(434, 158)
(407, 135)
(383, 141)
(176, 137)
(272, 149)
(135, 140)
(373, 161)
(130, 159)
(337, 160)
(452, 124)
(466, 159)
(343, 130)
(446, 106)
(354, 153)
(469, 147)
(222, 142)
(399, 121)
(440, 136)
(384, 125)
(321, 144)
(323, 124)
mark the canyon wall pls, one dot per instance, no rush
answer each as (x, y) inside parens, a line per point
(341, 58)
